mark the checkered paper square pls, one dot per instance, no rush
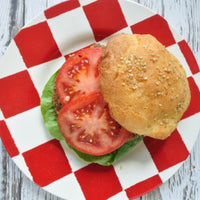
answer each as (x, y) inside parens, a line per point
(138, 160)
(48, 68)
(47, 163)
(189, 56)
(140, 188)
(164, 175)
(40, 18)
(61, 8)
(11, 62)
(36, 44)
(66, 187)
(188, 134)
(175, 50)
(119, 196)
(175, 34)
(20, 162)
(75, 162)
(85, 2)
(162, 151)
(157, 27)
(1, 115)
(128, 10)
(18, 94)
(197, 79)
(69, 34)
(28, 135)
(7, 140)
(194, 106)
(98, 182)
(102, 21)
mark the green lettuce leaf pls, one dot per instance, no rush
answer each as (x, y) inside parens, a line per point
(46, 105)
(50, 122)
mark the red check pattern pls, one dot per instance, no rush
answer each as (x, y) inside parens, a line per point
(194, 106)
(140, 188)
(98, 182)
(17, 94)
(102, 21)
(189, 56)
(156, 26)
(162, 151)
(61, 8)
(49, 162)
(36, 44)
(7, 140)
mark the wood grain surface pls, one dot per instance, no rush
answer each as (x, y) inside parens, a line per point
(184, 15)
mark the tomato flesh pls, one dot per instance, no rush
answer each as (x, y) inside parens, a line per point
(79, 75)
(88, 127)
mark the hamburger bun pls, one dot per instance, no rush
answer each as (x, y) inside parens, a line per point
(144, 85)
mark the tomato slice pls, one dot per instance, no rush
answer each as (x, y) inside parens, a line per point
(79, 75)
(88, 127)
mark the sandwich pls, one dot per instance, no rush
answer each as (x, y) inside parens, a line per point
(104, 100)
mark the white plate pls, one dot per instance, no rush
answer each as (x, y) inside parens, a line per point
(37, 51)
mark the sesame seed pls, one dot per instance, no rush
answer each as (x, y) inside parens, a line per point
(143, 64)
(134, 87)
(154, 59)
(145, 78)
(157, 82)
(145, 46)
(67, 98)
(123, 84)
(165, 121)
(90, 140)
(71, 55)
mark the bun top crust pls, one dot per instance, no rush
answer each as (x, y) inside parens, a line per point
(144, 85)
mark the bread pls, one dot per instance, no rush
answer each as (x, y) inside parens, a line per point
(144, 85)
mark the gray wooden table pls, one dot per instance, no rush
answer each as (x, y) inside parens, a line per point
(184, 15)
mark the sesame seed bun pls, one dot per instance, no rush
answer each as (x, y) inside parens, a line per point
(144, 85)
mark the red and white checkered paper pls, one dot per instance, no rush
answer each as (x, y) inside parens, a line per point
(36, 52)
